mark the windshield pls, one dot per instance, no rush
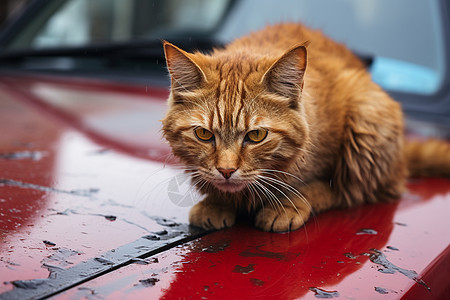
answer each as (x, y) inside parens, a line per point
(85, 22)
(407, 45)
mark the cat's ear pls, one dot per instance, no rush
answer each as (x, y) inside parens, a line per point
(185, 73)
(285, 76)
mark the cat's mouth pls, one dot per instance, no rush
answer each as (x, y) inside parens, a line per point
(230, 186)
(233, 183)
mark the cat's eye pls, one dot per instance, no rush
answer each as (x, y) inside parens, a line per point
(203, 134)
(256, 136)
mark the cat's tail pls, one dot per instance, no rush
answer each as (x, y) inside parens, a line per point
(429, 158)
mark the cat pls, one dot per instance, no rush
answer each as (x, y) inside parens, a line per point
(283, 123)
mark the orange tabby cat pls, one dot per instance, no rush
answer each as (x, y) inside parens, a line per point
(282, 123)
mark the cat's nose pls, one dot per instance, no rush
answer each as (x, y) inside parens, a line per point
(226, 173)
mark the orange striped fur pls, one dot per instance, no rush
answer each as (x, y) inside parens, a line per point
(330, 136)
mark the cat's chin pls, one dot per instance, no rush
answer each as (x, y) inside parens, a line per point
(230, 187)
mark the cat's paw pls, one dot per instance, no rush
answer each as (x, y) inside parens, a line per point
(212, 216)
(281, 220)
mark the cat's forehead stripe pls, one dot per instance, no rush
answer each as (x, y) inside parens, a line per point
(241, 91)
(230, 102)
(228, 107)
(218, 116)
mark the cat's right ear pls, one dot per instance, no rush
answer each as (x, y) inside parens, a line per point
(184, 72)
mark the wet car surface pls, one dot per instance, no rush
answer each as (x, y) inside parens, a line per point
(58, 195)
(93, 205)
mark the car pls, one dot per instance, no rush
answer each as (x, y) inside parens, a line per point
(93, 204)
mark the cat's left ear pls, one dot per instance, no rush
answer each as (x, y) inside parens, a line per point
(185, 73)
(285, 76)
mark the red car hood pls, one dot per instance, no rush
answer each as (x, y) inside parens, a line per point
(93, 204)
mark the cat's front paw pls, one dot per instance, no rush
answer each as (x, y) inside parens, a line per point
(281, 220)
(212, 216)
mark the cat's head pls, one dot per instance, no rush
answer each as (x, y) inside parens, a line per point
(236, 117)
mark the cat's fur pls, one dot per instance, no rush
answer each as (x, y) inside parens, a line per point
(334, 138)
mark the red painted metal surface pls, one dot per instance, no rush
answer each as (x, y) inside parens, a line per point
(73, 173)
(82, 168)
(332, 252)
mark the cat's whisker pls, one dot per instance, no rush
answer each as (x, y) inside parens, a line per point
(265, 193)
(169, 156)
(283, 184)
(304, 199)
(258, 194)
(297, 193)
(264, 180)
(251, 197)
(272, 196)
(293, 190)
(289, 188)
(255, 193)
(271, 171)
(199, 183)
(277, 201)
(257, 190)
